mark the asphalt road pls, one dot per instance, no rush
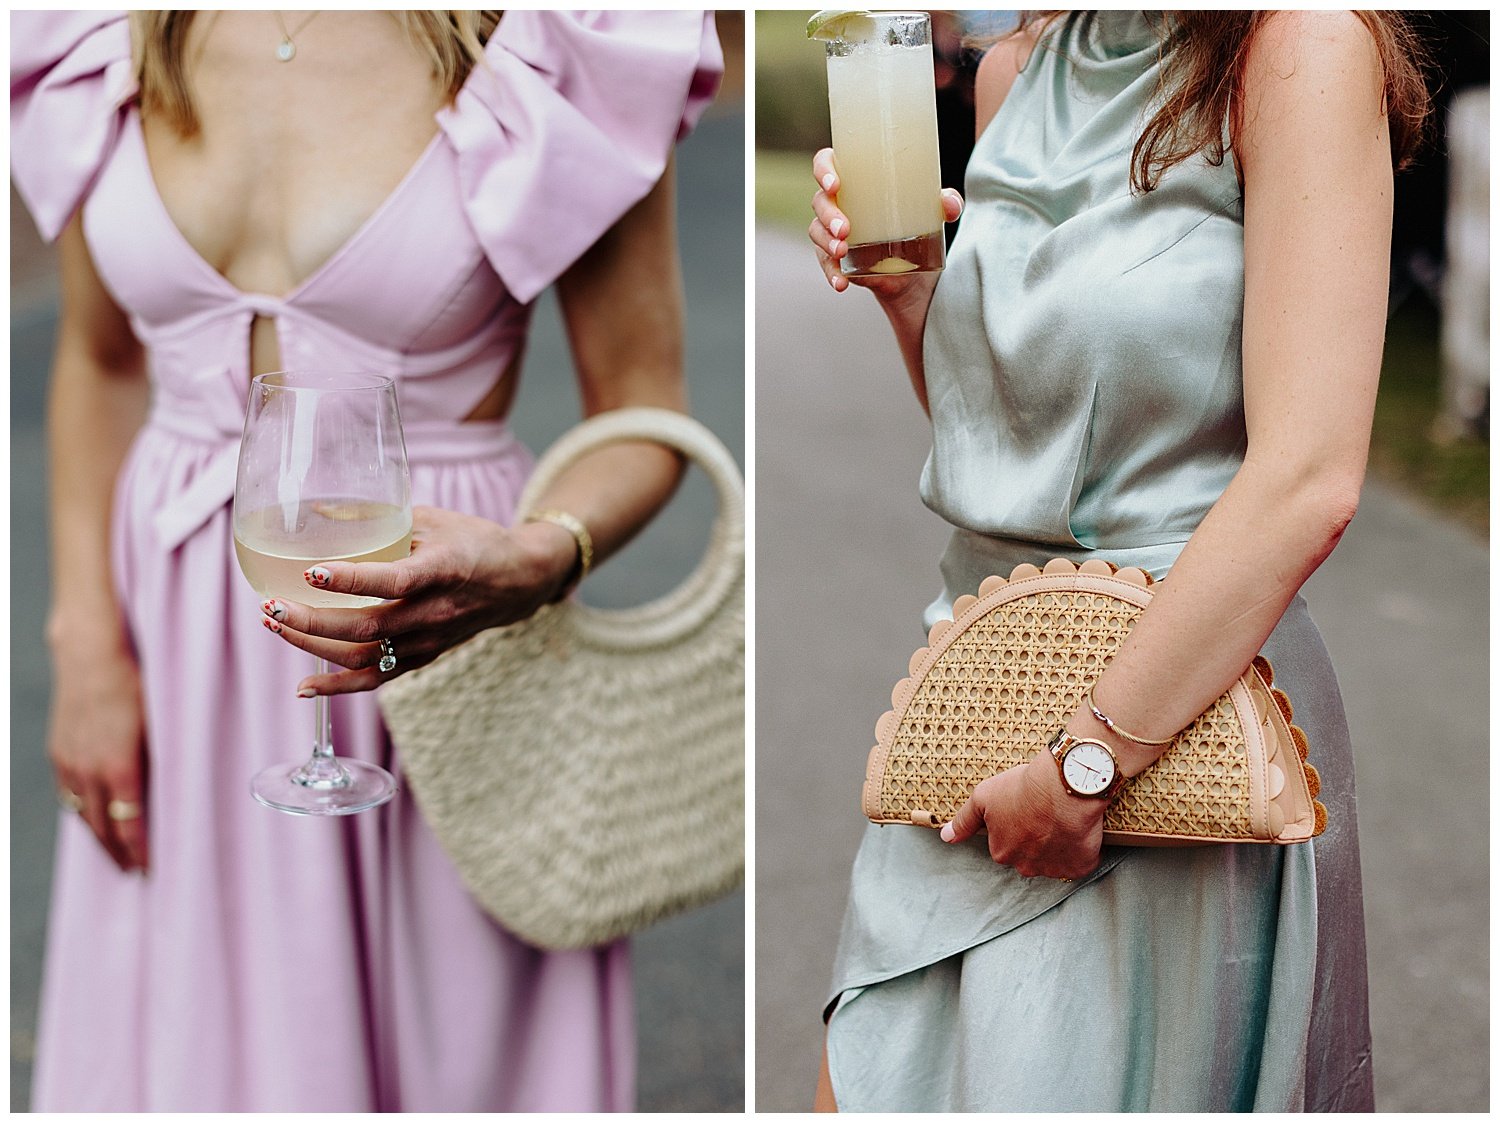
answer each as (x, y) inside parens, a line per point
(1403, 605)
(689, 970)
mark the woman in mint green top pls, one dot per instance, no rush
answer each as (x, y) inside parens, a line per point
(1180, 378)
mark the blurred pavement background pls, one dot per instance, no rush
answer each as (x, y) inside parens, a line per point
(690, 969)
(1403, 604)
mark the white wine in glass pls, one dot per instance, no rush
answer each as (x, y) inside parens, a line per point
(322, 477)
(276, 546)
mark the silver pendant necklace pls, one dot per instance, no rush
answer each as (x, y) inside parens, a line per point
(286, 50)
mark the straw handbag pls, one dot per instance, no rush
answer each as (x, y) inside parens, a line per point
(584, 768)
(999, 679)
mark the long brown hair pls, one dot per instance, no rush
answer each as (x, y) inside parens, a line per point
(1202, 79)
(453, 40)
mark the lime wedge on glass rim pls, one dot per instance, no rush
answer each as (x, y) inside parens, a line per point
(838, 23)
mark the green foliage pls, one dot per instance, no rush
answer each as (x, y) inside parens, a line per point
(791, 89)
(1453, 475)
(784, 189)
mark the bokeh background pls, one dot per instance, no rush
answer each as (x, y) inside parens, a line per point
(1403, 601)
(690, 969)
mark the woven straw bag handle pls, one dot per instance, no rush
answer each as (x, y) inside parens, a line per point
(694, 602)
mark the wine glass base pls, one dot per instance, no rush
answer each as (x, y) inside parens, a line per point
(283, 787)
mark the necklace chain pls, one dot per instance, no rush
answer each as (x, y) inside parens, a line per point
(286, 50)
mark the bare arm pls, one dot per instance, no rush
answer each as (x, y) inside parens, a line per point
(97, 401)
(1315, 152)
(622, 304)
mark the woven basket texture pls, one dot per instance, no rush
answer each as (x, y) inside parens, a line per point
(585, 768)
(986, 695)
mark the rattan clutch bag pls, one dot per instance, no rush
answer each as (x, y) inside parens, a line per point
(998, 680)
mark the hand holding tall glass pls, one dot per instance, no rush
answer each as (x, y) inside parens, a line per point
(882, 105)
(322, 477)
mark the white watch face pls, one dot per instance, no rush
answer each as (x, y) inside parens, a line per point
(1088, 768)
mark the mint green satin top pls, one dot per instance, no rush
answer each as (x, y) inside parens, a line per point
(1082, 350)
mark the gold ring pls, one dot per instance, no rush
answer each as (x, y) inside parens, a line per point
(71, 801)
(123, 810)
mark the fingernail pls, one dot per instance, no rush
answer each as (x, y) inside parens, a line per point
(274, 609)
(946, 834)
(836, 228)
(317, 575)
(306, 692)
(271, 625)
(835, 248)
(828, 181)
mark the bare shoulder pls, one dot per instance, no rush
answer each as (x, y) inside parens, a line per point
(1313, 81)
(1308, 59)
(998, 70)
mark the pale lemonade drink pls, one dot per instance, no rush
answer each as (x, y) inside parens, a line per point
(883, 109)
(276, 545)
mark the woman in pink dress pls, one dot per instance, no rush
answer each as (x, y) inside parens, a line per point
(389, 192)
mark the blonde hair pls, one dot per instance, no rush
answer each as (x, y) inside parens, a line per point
(452, 40)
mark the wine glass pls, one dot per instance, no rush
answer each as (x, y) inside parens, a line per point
(322, 477)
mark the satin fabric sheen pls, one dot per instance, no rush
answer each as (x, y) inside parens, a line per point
(267, 962)
(1082, 356)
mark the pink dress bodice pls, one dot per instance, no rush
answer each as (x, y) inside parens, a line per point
(566, 123)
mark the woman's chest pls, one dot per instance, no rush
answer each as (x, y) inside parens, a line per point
(291, 156)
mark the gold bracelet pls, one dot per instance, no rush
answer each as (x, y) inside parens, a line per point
(580, 535)
(1109, 724)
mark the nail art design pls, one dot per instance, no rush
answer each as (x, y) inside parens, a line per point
(274, 609)
(317, 575)
(271, 625)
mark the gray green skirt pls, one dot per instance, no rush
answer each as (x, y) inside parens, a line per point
(1211, 978)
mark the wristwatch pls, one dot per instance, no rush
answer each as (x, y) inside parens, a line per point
(1088, 768)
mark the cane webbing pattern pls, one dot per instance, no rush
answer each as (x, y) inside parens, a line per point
(992, 689)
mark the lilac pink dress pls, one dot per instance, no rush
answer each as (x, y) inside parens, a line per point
(269, 962)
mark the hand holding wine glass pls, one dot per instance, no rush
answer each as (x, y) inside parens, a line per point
(464, 574)
(322, 477)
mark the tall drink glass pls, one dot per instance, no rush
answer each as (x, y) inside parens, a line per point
(882, 103)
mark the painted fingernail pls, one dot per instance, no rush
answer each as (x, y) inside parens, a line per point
(946, 834)
(274, 609)
(317, 575)
(828, 181)
(835, 248)
(306, 692)
(271, 625)
(836, 228)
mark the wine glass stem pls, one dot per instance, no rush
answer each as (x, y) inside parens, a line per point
(322, 726)
(322, 771)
